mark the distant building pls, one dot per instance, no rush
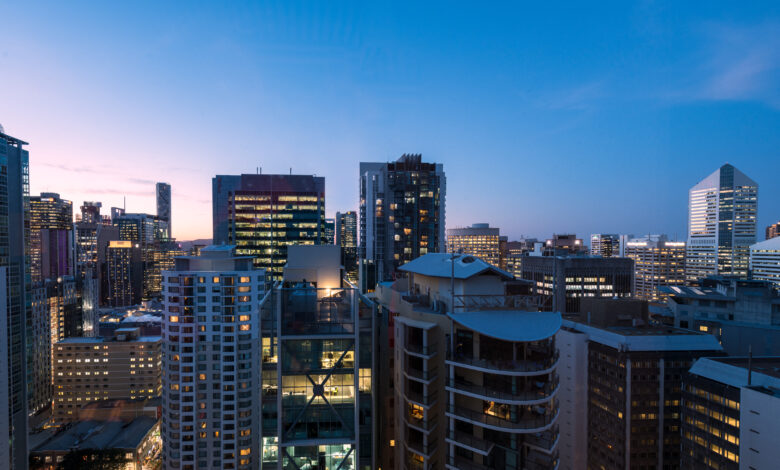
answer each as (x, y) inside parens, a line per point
(51, 236)
(125, 273)
(621, 393)
(765, 261)
(330, 232)
(773, 231)
(14, 238)
(730, 413)
(564, 245)
(722, 211)
(93, 232)
(480, 240)
(134, 442)
(347, 239)
(402, 215)
(127, 366)
(606, 245)
(163, 193)
(564, 280)
(263, 214)
(658, 262)
(517, 250)
(740, 313)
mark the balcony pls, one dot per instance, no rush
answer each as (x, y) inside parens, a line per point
(413, 462)
(426, 400)
(426, 376)
(541, 461)
(424, 351)
(526, 423)
(528, 303)
(545, 441)
(543, 365)
(460, 463)
(538, 392)
(470, 442)
(419, 448)
(421, 424)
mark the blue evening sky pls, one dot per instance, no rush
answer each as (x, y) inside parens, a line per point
(548, 116)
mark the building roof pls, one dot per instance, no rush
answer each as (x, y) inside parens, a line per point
(99, 435)
(706, 293)
(510, 325)
(647, 338)
(771, 244)
(440, 265)
(734, 371)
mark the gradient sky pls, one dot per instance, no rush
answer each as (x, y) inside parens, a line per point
(548, 118)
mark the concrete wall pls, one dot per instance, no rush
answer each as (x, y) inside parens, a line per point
(573, 399)
(758, 440)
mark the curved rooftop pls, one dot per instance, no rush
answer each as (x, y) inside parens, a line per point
(510, 325)
(440, 265)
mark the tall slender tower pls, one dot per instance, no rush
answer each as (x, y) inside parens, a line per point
(14, 237)
(164, 205)
(401, 215)
(722, 213)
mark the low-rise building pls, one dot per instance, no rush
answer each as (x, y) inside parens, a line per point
(765, 261)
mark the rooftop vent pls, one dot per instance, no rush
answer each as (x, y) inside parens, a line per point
(468, 259)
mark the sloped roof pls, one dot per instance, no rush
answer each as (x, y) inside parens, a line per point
(771, 244)
(440, 265)
(510, 325)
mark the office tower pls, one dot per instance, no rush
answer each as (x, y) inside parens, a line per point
(503, 251)
(621, 393)
(402, 215)
(317, 403)
(92, 236)
(740, 313)
(124, 273)
(211, 370)
(264, 214)
(51, 236)
(150, 233)
(469, 378)
(14, 236)
(564, 245)
(606, 245)
(730, 413)
(346, 238)
(330, 232)
(117, 212)
(765, 261)
(125, 366)
(90, 213)
(564, 280)
(517, 250)
(773, 231)
(5, 382)
(480, 240)
(722, 211)
(162, 259)
(164, 206)
(658, 262)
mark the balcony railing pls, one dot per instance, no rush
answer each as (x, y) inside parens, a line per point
(464, 439)
(418, 447)
(507, 366)
(429, 350)
(461, 463)
(424, 424)
(424, 375)
(543, 440)
(526, 421)
(529, 303)
(422, 399)
(541, 461)
(527, 394)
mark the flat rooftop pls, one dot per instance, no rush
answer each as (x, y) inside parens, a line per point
(769, 366)
(734, 371)
(646, 337)
(99, 435)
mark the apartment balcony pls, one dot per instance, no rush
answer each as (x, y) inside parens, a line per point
(469, 442)
(546, 441)
(412, 462)
(533, 394)
(525, 423)
(425, 352)
(520, 367)
(425, 425)
(425, 376)
(541, 461)
(420, 448)
(425, 400)
(461, 463)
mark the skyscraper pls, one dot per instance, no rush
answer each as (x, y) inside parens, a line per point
(606, 245)
(402, 215)
(773, 231)
(480, 240)
(330, 232)
(722, 211)
(164, 206)
(51, 236)
(765, 261)
(263, 214)
(658, 262)
(211, 370)
(124, 267)
(346, 238)
(14, 235)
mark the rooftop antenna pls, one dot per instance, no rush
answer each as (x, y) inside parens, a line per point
(290, 170)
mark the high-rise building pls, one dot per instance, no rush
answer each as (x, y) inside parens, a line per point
(330, 232)
(317, 359)
(468, 371)
(765, 261)
(517, 250)
(126, 366)
(564, 245)
(14, 237)
(741, 313)
(606, 245)
(773, 231)
(263, 214)
(163, 192)
(51, 237)
(564, 280)
(92, 236)
(730, 413)
(621, 393)
(211, 370)
(722, 211)
(124, 273)
(347, 239)
(402, 215)
(658, 262)
(480, 240)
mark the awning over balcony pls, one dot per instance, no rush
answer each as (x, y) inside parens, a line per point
(510, 325)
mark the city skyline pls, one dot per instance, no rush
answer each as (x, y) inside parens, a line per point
(664, 101)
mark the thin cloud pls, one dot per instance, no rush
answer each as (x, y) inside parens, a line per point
(111, 171)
